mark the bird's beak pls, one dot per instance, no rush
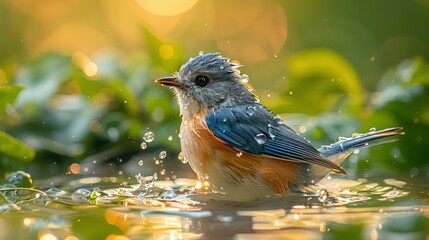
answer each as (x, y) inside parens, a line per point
(170, 81)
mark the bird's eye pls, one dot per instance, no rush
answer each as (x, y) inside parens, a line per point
(201, 80)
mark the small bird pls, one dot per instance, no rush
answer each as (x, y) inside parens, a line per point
(239, 146)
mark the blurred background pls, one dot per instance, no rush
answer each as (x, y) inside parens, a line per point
(77, 91)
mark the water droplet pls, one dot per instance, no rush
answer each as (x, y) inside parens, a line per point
(149, 137)
(261, 138)
(162, 154)
(143, 145)
(80, 194)
(323, 195)
(182, 158)
(250, 110)
(141, 163)
(225, 219)
(170, 138)
(239, 154)
(244, 78)
(222, 67)
(174, 234)
(201, 53)
(302, 129)
(341, 139)
(275, 55)
(373, 129)
(112, 133)
(272, 131)
(278, 120)
(290, 92)
(162, 172)
(414, 172)
(157, 162)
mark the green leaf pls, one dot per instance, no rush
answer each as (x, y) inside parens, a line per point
(167, 55)
(8, 94)
(321, 80)
(42, 78)
(126, 96)
(401, 100)
(15, 148)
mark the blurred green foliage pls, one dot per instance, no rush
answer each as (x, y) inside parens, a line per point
(66, 115)
(326, 90)
(9, 145)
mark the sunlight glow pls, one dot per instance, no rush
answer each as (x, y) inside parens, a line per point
(258, 34)
(116, 237)
(166, 51)
(91, 69)
(71, 237)
(48, 236)
(167, 7)
(84, 62)
(27, 221)
(75, 168)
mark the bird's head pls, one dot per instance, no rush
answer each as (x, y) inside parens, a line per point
(206, 82)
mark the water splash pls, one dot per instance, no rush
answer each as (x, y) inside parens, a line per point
(323, 195)
(182, 158)
(272, 131)
(148, 137)
(261, 138)
(244, 78)
(250, 110)
(162, 154)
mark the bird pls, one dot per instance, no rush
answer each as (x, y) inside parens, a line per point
(239, 146)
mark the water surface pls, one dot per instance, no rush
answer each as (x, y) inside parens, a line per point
(112, 208)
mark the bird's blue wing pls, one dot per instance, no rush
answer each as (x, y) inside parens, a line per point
(254, 129)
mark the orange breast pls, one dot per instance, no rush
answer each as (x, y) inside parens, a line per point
(221, 165)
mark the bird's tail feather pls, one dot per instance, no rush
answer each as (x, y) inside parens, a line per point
(344, 146)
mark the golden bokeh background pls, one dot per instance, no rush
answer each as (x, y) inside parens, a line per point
(305, 57)
(95, 26)
(372, 36)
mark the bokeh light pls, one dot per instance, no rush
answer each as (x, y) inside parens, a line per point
(167, 7)
(250, 32)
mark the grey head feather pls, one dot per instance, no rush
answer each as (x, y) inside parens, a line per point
(224, 88)
(209, 62)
